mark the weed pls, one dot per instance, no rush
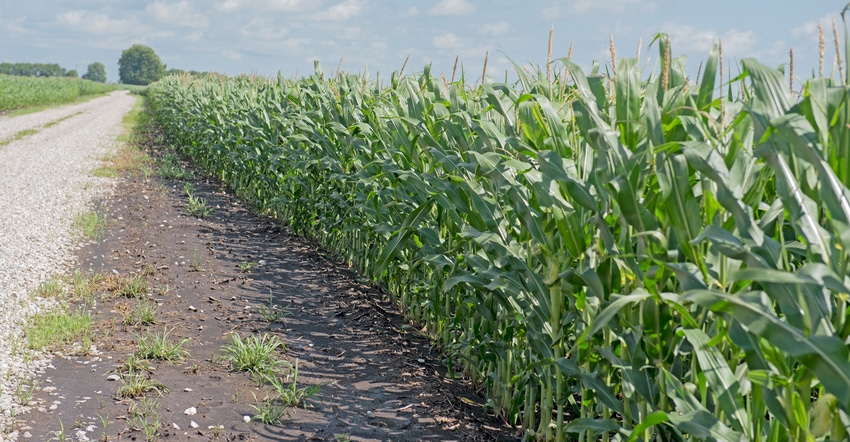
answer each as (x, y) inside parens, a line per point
(25, 394)
(84, 285)
(269, 411)
(133, 364)
(135, 384)
(157, 346)
(58, 329)
(91, 225)
(290, 395)
(196, 262)
(133, 287)
(255, 354)
(59, 435)
(189, 188)
(50, 288)
(246, 266)
(197, 207)
(272, 313)
(143, 314)
(104, 425)
(170, 167)
(149, 270)
(145, 416)
(105, 172)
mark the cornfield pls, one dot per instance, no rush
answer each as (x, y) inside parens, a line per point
(608, 257)
(19, 92)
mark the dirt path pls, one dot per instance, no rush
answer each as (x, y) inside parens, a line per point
(236, 272)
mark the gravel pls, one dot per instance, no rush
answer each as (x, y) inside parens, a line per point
(45, 183)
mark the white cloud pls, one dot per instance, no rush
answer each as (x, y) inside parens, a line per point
(232, 54)
(93, 23)
(341, 11)
(809, 29)
(495, 29)
(453, 7)
(268, 5)
(617, 7)
(195, 36)
(179, 14)
(691, 40)
(263, 29)
(446, 41)
(15, 27)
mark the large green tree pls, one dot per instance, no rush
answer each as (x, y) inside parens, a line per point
(140, 65)
(96, 72)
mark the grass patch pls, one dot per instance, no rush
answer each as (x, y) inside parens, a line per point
(133, 364)
(90, 225)
(18, 136)
(50, 288)
(105, 172)
(255, 354)
(67, 117)
(134, 287)
(288, 394)
(130, 157)
(36, 109)
(157, 346)
(136, 383)
(197, 207)
(143, 314)
(145, 415)
(59, 330)
(272, 408)
(170, 167)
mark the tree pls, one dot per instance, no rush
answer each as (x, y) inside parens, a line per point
(140, 65)
(96, 72)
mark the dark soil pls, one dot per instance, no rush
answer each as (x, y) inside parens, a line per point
(380, 379)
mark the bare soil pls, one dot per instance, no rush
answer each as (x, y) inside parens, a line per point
(380, 378)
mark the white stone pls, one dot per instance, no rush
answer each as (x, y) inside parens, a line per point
(191, 411)
(193, 424)
(246, 418)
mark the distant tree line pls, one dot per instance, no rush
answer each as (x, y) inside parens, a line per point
(36, 70)
(96, 71)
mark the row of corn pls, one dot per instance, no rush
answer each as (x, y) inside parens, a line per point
(20, 92)
(608, 257)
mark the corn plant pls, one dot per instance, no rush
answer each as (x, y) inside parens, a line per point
(615, 258)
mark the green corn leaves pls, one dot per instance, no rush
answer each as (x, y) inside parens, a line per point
(633, 254)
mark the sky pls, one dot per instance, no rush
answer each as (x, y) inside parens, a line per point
(267, 37)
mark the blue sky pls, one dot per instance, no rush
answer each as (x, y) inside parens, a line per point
(267, 36)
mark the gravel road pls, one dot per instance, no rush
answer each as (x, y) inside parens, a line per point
(45, 182)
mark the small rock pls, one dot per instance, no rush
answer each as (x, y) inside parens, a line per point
(246, 418)
(113, 377)
(192, 308)
(370, 414)
(193, 424)
(187, 389)
(27, 435)
(191, 411)
(176, 427)
(421, 361)
(53, 407)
